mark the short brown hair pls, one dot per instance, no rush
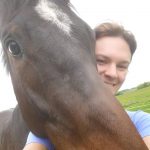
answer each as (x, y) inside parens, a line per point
(116, 30)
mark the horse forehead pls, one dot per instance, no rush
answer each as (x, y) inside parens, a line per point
(49, 11)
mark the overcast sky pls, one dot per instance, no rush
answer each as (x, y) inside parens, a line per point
(132, 14)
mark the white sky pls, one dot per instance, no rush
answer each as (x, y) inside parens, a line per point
(134, 15)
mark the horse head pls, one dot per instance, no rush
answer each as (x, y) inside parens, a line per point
(49, 52)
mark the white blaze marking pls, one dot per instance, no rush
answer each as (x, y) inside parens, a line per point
(50, 12)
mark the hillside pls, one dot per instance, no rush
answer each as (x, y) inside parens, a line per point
(136, 99)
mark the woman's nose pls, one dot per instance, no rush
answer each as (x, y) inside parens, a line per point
(111, 71)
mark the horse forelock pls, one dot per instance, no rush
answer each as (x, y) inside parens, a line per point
(49, 11)
(9, 7)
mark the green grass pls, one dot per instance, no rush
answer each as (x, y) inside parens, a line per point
(136, 99)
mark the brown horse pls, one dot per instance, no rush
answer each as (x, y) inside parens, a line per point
(49, 52)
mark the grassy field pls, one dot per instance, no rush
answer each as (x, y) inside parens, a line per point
(136, 99)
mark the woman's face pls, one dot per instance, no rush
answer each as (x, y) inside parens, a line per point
(113, 57)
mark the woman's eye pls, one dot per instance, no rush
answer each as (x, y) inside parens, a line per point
(100, 61)
(123, 67)
(14, 48)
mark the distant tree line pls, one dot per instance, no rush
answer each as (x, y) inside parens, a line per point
(143, 85)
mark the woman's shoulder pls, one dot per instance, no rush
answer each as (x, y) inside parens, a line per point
(141, 121)
(32, 138)
(139, 114)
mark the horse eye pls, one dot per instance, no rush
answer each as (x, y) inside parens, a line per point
(14, 48)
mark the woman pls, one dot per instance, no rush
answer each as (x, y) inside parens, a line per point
(115, 47)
